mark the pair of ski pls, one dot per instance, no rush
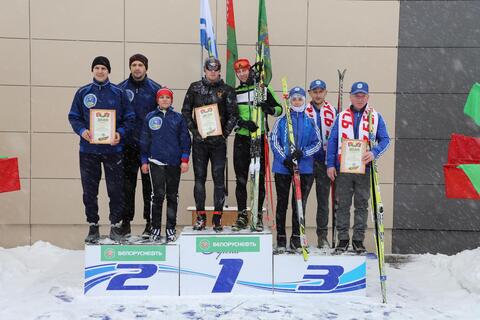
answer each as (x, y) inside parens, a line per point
(257, 116)
(297, 191)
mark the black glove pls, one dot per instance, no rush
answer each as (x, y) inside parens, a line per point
(247, 124)
(288, 163)
(297, 154)
(266, 108)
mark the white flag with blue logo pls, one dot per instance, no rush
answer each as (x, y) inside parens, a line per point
(207, 35)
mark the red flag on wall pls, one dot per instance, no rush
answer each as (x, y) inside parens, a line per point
(9, 177)
(462, 150)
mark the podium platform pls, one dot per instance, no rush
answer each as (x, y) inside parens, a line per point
(146, 269)
(225, 263)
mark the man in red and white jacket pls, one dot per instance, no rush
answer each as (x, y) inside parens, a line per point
(354, 125)
(324, 114)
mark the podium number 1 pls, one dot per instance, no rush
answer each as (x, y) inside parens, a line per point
(228, 275)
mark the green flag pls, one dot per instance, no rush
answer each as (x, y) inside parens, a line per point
(264, 42)
(232, 53)
(473, 173)
(472, 106)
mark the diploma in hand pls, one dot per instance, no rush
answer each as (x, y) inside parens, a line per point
(208, 121)
(351, 158)
(102, 126)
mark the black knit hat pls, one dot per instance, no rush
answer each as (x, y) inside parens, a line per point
(101, 60)
(138, 57)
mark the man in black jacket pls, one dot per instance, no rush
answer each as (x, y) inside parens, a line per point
(210, 90)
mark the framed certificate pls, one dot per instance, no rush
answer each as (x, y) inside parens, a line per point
(102, 126)
(351, 159)
(208, 121)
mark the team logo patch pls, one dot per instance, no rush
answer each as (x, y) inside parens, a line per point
(90, 100)
(155, 123)
(359, 86)
(130, 94)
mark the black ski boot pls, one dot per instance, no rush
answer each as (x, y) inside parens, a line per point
(155, 235)
(259, 227)
(323, 243)
(171, 235)
(201, 221)
(116, 232)
(242, 221)
(281, 244)
(358, 247)
(295, 244)
(146, 233)
(342, 246)
(217, 221)
(93, 233)
(126, 228)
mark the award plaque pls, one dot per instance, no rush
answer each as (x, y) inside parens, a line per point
(102, 126)
(208, 121)
(351, 159)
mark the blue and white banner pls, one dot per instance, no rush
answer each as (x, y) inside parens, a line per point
(207, 35)
(131, 270)
(319, 275)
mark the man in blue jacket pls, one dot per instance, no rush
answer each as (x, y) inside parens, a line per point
(98, 95)
(307, 143)
(354, 125)
(141, 92)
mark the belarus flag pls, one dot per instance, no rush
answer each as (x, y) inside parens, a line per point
(9, 178)
(462, 173)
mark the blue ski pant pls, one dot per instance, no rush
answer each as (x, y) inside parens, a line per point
(91, 173)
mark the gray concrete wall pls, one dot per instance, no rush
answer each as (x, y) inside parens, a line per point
(438, 61)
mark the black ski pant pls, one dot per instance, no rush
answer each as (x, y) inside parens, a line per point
(165, 182)
(216, 153)
(348, 185)
(241, 164)
(322, 188)
(132, 163)
(282, 185)
(91, 173)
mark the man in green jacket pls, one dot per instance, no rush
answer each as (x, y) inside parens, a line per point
(241, 149)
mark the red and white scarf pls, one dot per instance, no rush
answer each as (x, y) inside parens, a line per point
(327, 116)
(345, 126)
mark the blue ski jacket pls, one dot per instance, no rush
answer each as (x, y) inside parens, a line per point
(101, 96)
(307, 138)
(165, 137)
(382, 138)
(142, 96)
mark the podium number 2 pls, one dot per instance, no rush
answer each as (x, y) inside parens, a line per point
(228, 275)
(118, 281)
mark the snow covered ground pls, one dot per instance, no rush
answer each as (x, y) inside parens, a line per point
(45, 282)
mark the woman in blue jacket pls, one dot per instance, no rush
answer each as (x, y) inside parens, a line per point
(165, 150)
(308, 141)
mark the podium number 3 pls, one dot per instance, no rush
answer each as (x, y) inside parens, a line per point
(228, 275)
